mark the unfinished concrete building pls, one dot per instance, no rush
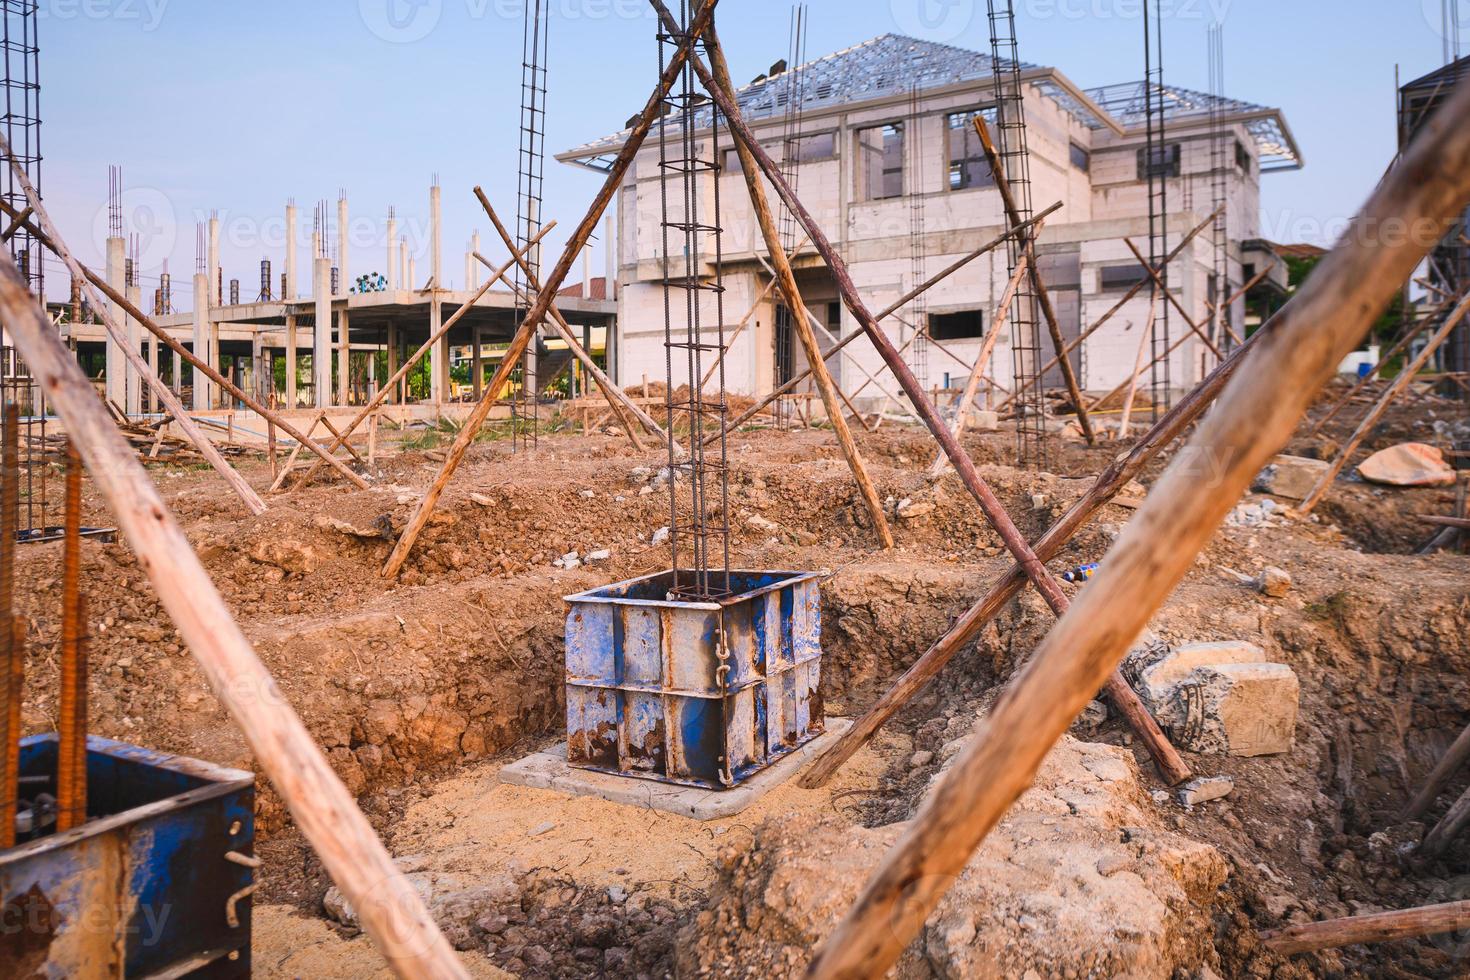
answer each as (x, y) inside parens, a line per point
(868, 153)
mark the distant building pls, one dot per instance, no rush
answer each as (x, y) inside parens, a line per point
(871, 150)
(1449, 266)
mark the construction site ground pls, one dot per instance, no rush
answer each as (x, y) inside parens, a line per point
(421, 689)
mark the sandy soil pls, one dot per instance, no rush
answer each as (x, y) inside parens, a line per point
(420, 689)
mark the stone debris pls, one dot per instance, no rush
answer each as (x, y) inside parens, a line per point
(1081, 878)
(1205, 789)
(982, 420)
(661, 536)
(1254, 514)
(569, 560)
(601, 554)
(1274, 582)
(910, 510)
(1290, 476)
(1409, 464)
(1219, 698)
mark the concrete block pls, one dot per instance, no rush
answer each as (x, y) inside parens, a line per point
(1205, 789)
(1290, 476)
(980, 420)
(1220, 698)
(549, 770)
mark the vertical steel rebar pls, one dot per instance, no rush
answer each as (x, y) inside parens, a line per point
(12, 637)
(1158, 165)
(531, 166)
(703, 472)
(71, 762)
(1010, 128)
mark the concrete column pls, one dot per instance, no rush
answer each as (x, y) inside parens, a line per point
(344, 359)
(392, 271)
(290, 253)
(405, 266)
(344, 277)
(288, 397)
(413, 272)
(178, 375)
(259, 368)
(610, 257)
(394, 360)
(117, 369)
(439, 379)
(477, 365)
(472, 264)
(587, 271)
(150, 397)
(321, 351)
(216, 397)
(201, 338)
(215, 299)
(135, 340)
(372, 375)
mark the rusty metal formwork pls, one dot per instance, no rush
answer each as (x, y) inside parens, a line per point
(694, 693)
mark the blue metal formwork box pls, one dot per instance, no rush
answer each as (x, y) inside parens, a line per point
(156, 883)
(695, 693)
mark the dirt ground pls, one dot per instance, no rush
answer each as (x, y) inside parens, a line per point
(421, 689)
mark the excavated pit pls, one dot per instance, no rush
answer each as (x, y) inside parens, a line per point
(419, 690)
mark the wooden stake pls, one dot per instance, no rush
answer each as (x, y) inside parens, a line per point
(390, 909)
(1458, 522)
(1043, 298)
(899, 304)
(623, 408)
(1126, 422)
(972, 384)
(652, 109)
(1378, 927)
(1298, 351)
(1324, 482)
(1168, 295)
(1383, 362)
(1125, 700)
(1449, 764)
(1133, 291)
(171, 403)
(377, 400)
(801, 317)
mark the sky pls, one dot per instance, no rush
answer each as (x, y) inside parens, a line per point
(234, 106)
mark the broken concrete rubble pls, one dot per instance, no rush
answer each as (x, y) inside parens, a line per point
(1290, 476)
(1409, 464)
(1219, 698)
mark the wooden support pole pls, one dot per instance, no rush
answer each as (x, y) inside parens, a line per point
(623, 407)
(1383, 362)
(1442, 834)
(1378, 927)
(652, 110)
(1297, 352)
(1123, 697)
(1324, 482)
(186, 425)
(1444, 770)
(1125, 422)
(388, 389)
(71, 752)
(391, 911)
(801, 317)
(1043, 298)
(884, 314)
(1107, 485)
(1456, 522)
(1097, 325)
(1173, 301)
(977, 371)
